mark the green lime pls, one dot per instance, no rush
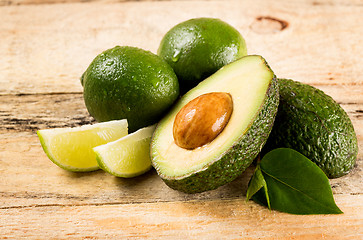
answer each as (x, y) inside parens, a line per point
(129, 83)
(71, 148)
(128, 156)
(199, 47)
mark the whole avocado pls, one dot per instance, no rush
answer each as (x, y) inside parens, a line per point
(312, 123)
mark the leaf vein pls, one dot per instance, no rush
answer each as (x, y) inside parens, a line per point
(297, 190)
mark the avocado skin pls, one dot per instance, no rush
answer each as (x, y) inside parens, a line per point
(239, 157)
(313, 124)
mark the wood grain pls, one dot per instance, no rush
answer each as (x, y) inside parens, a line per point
(28, 113)
(38, 2)
(22, 115)
(45, 49)
(210, 219)
(26, 2)
(41, 183)
(33, 180)
(43, 58)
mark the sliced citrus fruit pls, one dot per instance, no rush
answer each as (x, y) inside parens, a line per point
(71, 148)
(128, 156)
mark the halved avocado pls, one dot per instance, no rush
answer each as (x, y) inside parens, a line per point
(254, 91)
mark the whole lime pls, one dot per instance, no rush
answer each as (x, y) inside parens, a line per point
(129, 83)
(199, 47)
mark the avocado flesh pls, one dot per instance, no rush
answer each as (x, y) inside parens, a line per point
(313, 124)
(254, 91)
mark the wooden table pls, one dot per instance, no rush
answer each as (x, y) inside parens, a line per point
(44, 49)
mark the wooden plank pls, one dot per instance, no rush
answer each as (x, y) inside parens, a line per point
(28, 113)
(38, 2)
(33, 180)
(25, 2)
(343, 94)
(46, 48)
(213, 219)
(29, 178)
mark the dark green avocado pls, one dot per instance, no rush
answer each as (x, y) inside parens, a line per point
(313, 124)
(253, 88)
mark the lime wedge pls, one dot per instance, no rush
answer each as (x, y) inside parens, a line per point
(71, 148)
(127, 157)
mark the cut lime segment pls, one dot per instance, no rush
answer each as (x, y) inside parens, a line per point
(127, 157)
(71, 148)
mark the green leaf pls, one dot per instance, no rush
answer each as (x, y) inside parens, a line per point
(256, 183)
(295, 184)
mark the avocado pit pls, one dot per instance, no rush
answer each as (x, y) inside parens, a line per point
(202, 119)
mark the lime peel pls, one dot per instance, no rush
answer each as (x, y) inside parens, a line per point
(128, 156)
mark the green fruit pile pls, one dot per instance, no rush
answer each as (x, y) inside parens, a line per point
(137, 85)
(204, 61)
